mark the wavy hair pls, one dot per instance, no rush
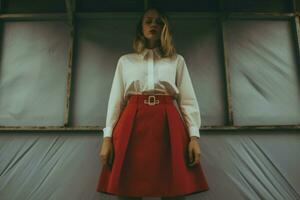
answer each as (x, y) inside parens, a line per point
(166, 45)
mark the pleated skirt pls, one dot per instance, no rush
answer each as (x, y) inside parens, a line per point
(151, 153)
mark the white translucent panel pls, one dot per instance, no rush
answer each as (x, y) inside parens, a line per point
(264, 72)
(33, 73)
(199, 43)
(258, 5)
(98, 50)
(99, 45)
(240, 165)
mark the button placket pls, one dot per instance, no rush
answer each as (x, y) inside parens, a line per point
(150, 70)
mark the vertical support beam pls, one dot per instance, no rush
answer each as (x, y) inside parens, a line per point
(70, 5)
(294, 6)
(1, 6)
(295, 23)
(1, 27)
(146, 4)
(222, 18)
(296, 33)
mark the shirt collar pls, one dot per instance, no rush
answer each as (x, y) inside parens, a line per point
(155, 50)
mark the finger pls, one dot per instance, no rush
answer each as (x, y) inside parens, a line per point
(196, 160)
(104, 160)
(111, 157)
(191, 155)
(193, 163)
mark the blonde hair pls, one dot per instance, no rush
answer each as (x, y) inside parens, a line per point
(166, 47)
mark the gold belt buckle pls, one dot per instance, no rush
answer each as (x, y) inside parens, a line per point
(151, 100)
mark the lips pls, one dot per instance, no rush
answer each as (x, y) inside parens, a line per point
(153, 31)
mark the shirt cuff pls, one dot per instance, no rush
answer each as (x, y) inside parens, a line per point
(194, 131)
(107, 132)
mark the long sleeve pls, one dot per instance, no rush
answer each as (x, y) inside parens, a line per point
(116, 100)
(187, 100)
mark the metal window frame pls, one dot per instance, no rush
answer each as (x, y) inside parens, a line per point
(71, 16)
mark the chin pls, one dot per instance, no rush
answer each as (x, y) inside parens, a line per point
(153, 37)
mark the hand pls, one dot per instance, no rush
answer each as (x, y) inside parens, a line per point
(194, 151)
(106, 153)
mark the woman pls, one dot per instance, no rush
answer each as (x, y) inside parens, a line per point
(150, 146)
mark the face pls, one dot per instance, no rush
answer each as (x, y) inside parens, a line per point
(152, 25)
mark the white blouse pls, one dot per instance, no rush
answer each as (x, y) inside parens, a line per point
(149, 72)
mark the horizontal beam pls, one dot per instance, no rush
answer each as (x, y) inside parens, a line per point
(34, 16)
(181, 15)
(99, 128)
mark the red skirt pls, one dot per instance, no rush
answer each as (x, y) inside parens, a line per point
(151, 153)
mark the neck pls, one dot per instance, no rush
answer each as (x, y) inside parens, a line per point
(151, 44)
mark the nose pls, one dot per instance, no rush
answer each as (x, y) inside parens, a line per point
(153, 22)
